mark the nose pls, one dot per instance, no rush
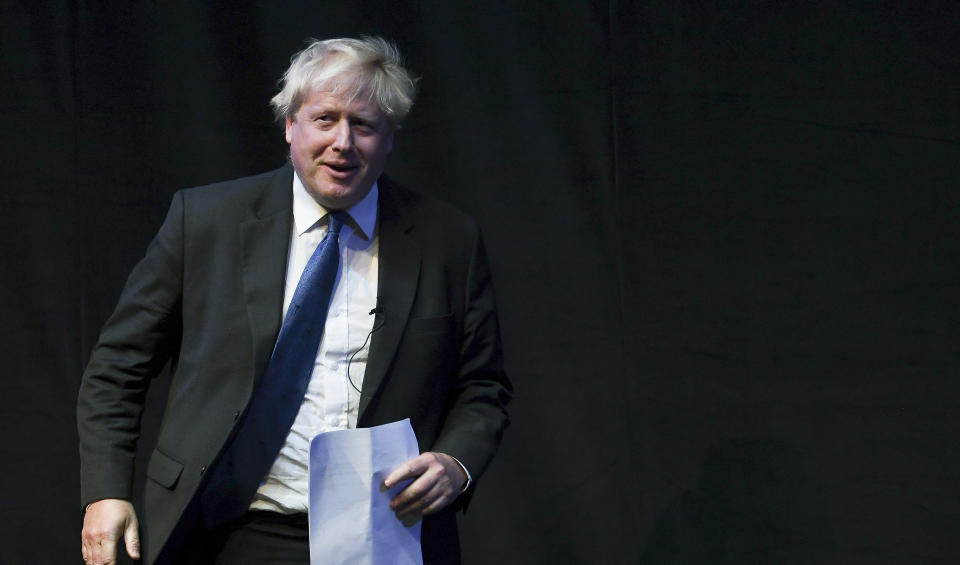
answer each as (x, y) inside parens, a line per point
(343, 137)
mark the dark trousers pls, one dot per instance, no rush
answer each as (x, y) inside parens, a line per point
(268, 538)
(259, 538)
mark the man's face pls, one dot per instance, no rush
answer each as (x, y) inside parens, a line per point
(338, 147)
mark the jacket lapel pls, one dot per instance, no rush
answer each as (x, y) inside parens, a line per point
(399, 272)
(265, 239)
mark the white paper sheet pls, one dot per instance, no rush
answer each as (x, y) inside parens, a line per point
(350, 517)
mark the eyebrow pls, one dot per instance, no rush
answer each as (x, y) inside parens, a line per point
(369, 117)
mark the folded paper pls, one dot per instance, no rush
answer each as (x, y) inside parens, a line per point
(350, 517)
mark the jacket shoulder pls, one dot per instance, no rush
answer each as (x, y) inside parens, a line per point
(427, 212)
(244, 192)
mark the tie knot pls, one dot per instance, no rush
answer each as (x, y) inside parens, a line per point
(335, 221)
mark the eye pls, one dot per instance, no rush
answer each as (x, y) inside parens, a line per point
(362, 126)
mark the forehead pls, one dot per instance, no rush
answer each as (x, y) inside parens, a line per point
(355, 104)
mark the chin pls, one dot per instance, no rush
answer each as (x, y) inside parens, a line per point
(337, 197)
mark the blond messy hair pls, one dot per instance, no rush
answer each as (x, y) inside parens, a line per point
(369, 66)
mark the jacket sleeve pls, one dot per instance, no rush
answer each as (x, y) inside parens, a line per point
(141, 335)
(478, 415)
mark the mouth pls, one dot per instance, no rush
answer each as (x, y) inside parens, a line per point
(340, 170)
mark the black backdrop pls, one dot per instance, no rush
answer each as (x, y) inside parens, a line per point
(723, 235)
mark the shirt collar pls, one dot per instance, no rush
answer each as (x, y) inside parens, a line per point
(307, 212)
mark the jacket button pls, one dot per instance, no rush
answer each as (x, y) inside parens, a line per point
(236, 415)
(203, 469)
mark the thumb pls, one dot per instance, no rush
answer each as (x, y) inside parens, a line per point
(132, 539)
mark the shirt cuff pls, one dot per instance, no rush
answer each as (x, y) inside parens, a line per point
(466, 485)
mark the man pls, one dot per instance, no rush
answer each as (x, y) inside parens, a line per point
(407, 330)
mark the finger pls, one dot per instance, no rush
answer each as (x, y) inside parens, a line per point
(131, 539)
(105, 552)
(408, 470)
(443, 491)
(413, 491)
(428, 504)
(417, 507)
(438, 504)
(425, 491)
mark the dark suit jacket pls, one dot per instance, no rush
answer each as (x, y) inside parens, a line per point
(208, 295)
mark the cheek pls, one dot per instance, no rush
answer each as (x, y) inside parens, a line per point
(376, 153)
(304, 145)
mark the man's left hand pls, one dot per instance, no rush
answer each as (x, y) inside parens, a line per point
(438, 479)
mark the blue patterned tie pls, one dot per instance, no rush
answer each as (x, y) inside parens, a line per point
(275, 403)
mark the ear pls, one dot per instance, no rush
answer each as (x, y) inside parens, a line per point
(389, 141)
(288, 128)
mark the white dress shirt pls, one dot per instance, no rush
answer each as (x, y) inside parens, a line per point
(331, 401)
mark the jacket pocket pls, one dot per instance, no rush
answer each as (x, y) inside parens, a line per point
(163, 469)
